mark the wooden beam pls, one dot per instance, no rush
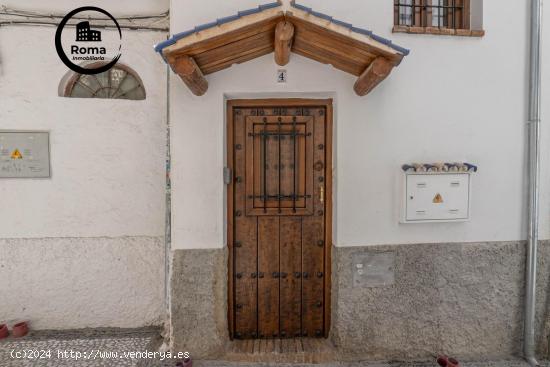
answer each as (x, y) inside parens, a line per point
(191, 74)
(284, 34)
(373, 75)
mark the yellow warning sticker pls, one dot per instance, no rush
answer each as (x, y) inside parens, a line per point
(16, 154)
(438, 199)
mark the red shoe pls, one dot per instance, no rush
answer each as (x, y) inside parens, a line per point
(4, 331)
(445, 361)
(20, 329)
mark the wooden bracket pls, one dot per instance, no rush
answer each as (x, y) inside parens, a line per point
(373, 75)
(284, 34)
(191, 74)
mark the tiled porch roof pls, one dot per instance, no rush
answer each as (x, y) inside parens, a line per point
(251, 33)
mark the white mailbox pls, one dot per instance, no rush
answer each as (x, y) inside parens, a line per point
(436, 197)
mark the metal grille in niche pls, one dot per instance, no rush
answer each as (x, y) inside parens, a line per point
(278, 159)
(432, 13)
(115, 83)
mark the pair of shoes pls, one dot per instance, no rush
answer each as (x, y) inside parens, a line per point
(20, 329)
(445, 361)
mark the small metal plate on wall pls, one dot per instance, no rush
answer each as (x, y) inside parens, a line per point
(24, 154)
(375, 269)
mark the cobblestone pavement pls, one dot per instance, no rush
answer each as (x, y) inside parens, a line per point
(512, 363)
(105, 348)
(98, 348)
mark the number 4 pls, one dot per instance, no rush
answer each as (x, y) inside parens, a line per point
(281, 76)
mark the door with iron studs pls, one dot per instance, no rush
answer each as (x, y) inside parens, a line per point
(278, 261)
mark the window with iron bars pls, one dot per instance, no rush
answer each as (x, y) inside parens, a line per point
(442, 14)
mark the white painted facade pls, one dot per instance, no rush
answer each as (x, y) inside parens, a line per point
(451, 99)
(86, 247)
(99, 221)
(106, 165)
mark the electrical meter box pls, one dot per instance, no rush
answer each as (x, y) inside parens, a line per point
(436, 197)
(24, 154)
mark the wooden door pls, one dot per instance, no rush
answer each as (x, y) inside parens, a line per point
(279, 218)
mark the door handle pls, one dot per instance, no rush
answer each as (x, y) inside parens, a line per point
(321, 194)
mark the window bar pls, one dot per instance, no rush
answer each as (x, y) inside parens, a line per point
(459, 22)
(79, 82)
(465, 12)
(427, 13)
(396, 10)
(449, 13)
(443, 13)
(398, 6)
(265, 164)
(435, 10)
(294, 137)
(279, 166)
(439, 11)
(417, 12)
(422, 13)
(421, 10)
(453, 14)
(461, 15)
(120, 83)
(421, 4)
(274, 133)
(98, 82)
(446, 21)
(447, 18)
(129, 91)
(276, 197)
(413, 13)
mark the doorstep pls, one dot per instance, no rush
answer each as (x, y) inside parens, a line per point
(289, 350)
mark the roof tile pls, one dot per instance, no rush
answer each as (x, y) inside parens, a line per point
(161, 45)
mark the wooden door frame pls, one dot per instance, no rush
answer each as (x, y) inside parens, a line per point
(279, 102)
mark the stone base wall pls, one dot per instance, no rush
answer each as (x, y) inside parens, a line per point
(465, 300)
(198, 302)
(74, 283)
(462, 299)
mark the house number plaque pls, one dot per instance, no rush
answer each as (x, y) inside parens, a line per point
(24, 154)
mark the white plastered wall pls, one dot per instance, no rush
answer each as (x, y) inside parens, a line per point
(84, 248)
(452, 99)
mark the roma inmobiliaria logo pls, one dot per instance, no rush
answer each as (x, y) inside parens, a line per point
(82, 46)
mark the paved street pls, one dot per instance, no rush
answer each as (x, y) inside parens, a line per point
(107, 349)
